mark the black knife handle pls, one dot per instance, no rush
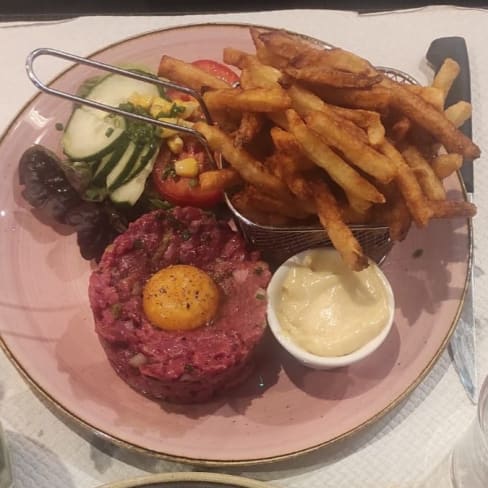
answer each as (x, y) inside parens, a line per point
(455, 48)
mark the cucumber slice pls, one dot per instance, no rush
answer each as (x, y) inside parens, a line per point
(88, 137)
(130, 192)
(144, 158)
(108, 162)
(125, 165)
(116, 89)
(91, 133)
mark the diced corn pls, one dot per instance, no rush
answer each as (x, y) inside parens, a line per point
(165, 133)
(187, 167)
(144, 101)
(175, 144)
(160, 105)
(190, 106)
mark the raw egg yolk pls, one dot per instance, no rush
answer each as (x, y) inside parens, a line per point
(180, 297)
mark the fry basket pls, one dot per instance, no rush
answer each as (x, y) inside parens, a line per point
(279, 243)
(276, 244)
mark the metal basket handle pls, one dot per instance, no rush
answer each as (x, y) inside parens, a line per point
(29, 66)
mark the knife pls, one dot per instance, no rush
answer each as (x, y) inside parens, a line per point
(462, 344)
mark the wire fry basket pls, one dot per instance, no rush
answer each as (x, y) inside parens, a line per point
(279, 243)
(275, 243)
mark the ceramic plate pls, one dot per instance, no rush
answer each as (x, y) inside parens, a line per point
(281, 411)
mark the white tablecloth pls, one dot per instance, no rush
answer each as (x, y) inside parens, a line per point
(399, 450)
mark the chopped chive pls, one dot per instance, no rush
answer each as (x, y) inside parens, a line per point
(116, 310)
(417, 253)
(193, 182)
(138, 244)
(168, 172)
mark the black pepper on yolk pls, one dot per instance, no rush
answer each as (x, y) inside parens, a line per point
(180, 297)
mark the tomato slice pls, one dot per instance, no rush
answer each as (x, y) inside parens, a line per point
(181, 191)
(216, 69)
(219, 70)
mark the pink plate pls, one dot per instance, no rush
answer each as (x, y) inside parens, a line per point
(284, 409)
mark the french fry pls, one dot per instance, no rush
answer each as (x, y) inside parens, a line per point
(340, 234)
(284, 45)
(257, 75)
(227, 120)
(448, 209)
(287, 143)
(446, 75)
(446, 164)
(458, 113)
(395, 214)
(305, 102)
(400, 129)
(273, 205)
(188, 75)
(375, 98)
(324, 157)
(348, 61)
(359, 205)
(252, 100)
(330, 77)
(408, 185)
(236, 58)
(316, 192)
(250, 169)
(366, 119)
(353, 217)
(244, 205)
(249, 127)
(279, 118)
(221, 179)
(432, 121)
(432, 95)
(334, 63)
(264, 55)
(357, 152)
(428, 180)
(290, 171)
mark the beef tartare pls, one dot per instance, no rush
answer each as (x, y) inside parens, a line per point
(185, 365)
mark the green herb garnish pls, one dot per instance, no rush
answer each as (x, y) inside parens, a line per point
(109, 132)
(189, 368)
(59, 126)
(168, 172)
(127, 107)
(157, 203)
(173, 112)
(138, 244)
(116, 310)
(193, 182)
(417, 253)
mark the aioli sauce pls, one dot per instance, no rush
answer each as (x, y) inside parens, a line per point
(329, 310)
